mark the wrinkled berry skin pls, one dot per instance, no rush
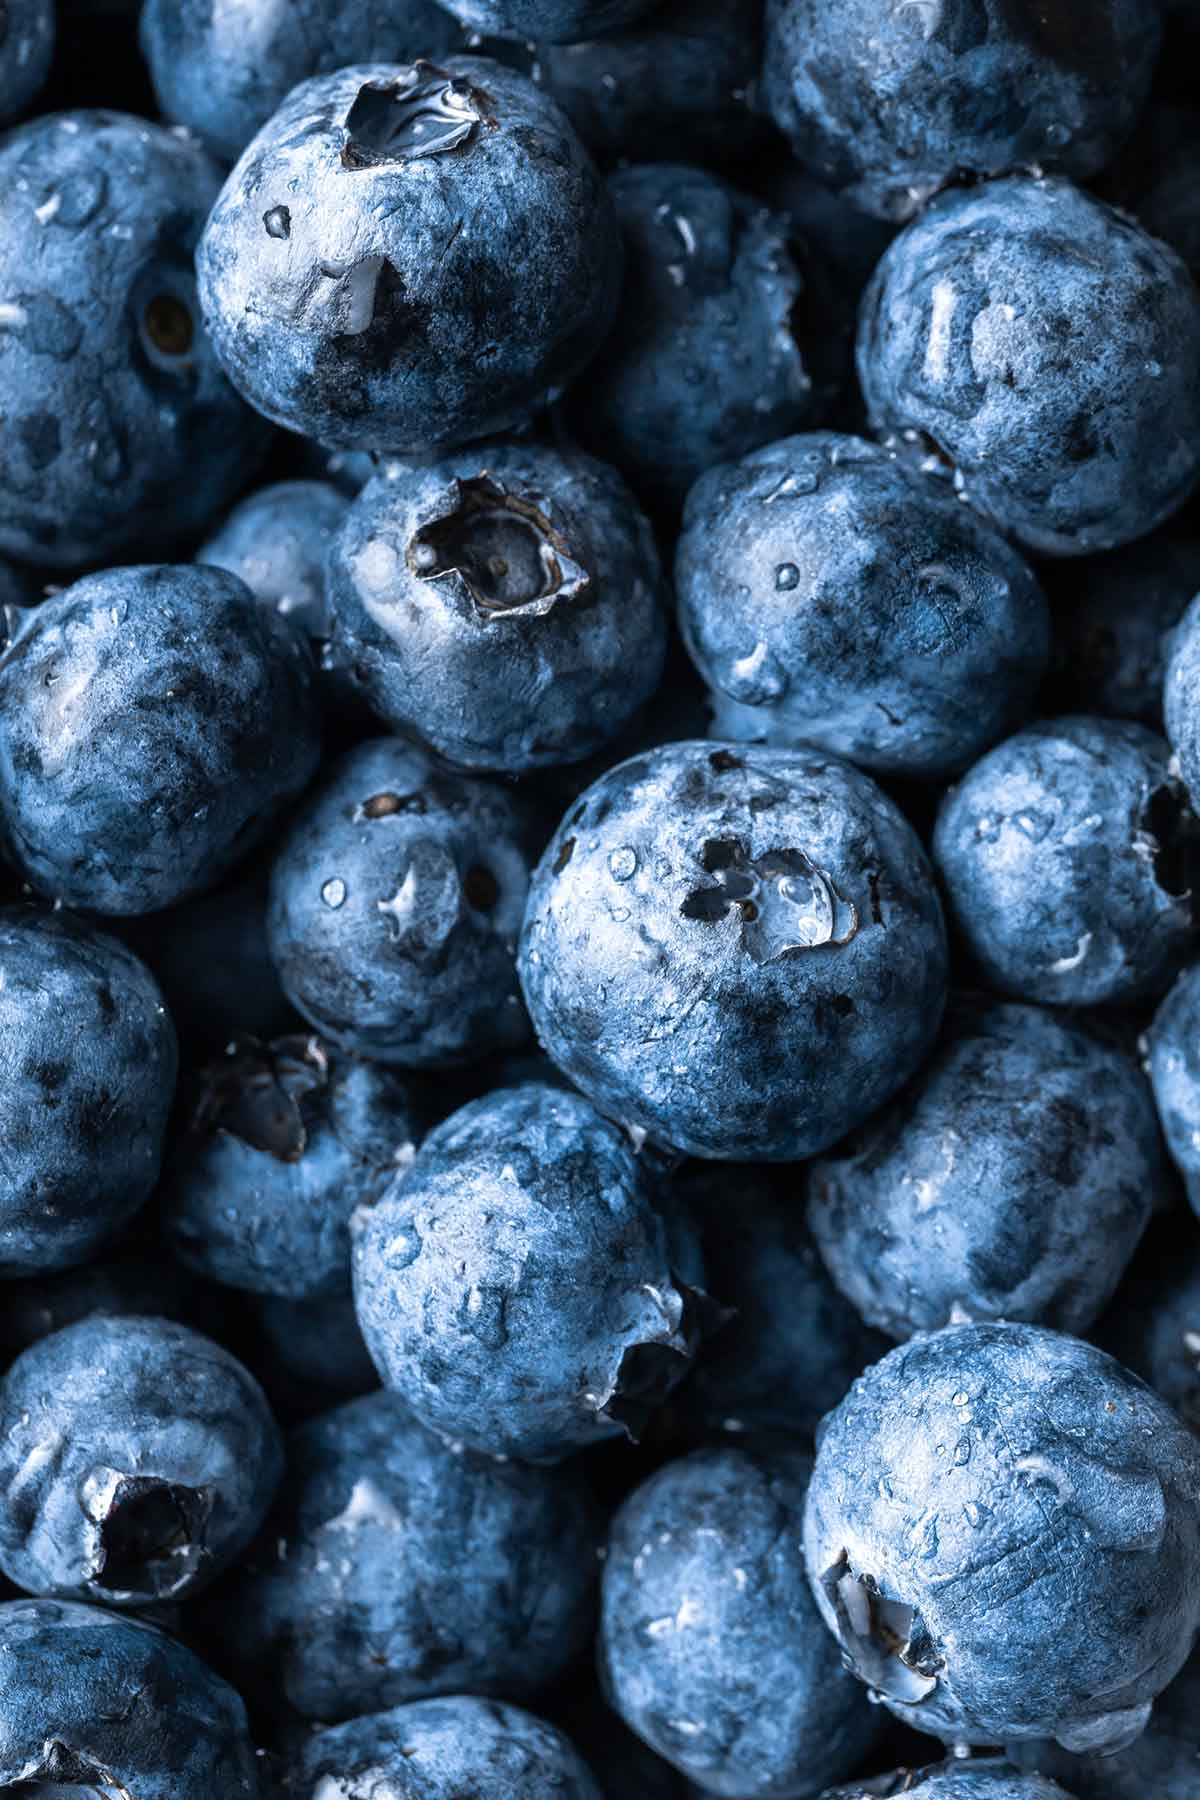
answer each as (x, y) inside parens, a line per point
(396, 901)
(90, 1697)
(1011, 1180)
(1181, 698)
(222, 71)
(1065, 857)
(516, 1286)
(891, 103)
(285, 1140)
(165, 1461)
(709, 356)
(379, 303)
(26, 53)
(1049, 350)
(851, 603)
(1164, 1762)
(1002, 1530)
(990, 1779)
(740, 953)
(441, 1750)
(278, 542)
(87, 1076)
(123, 434)
(794, 1344)
(676, 86)
(551, 21)
(710, 1646)
(410, 1569)
(1173, 1066)
(542, 664)
(153, 722)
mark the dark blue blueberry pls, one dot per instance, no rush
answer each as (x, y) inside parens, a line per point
(794, 1344)
(835, 597)
(893, 102)
(517, 1286)
(223, 70)
(97, 1704)
(988, 1779)
(711, 354)
(153, 721)
(347, 470)
(1156, 179)
(137, 1460)
(128, 1283)
(1066, 854)
(845, 242)
(395, 1567)
(623, 1765)
(1048, 350)
(1011, 1180)
(1153, 1324)
(440, 1750)
(1164, 1763)
(87, 1078)
(121, 432)
(315, 1348)
(278, 542)
(285, 1140)
(410, 257)
(555, 21)
(396, 901)
(710, 1646)
(1173, 1065)
(504, 606)
(27, 32)
(1181, 698)
(1003, 1531)
(677, 85)
(738, 952)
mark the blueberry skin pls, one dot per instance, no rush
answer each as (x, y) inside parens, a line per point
(1013, 1179)
(406, 258)
(1065, 855)
(1164, 1762)
(709, 356)
(1181, 697)
(550, 21)
(1173, 1065)
(395, 1568)
(153, 722)
(854, 605)
(316, 1346)
(123, 432)
(1019, 1514)
(223, 71)
(27, 35)
(452, 1749)
(710, 1646)
(166, 1459)
(285, 1140)
(794, 1344)
(675, 86)
(516, 1285)
(992, 1779)
(1049, 350)
(396, 901)
(88, 1061)
(278, 542)
(90, 1697)
(541, 664)
(740, 954)
(891, 103)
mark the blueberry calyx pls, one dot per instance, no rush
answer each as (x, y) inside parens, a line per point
(424, 112)
(150, 1534)
(255, 1092)
(885, 1641)
(59, 1766)
(649, 1370)
(503, 549)
(786, 902)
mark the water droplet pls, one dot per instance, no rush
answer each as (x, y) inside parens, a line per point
(622, 863)
(960, 1399)
(482, 1313)
(787, 576)
(334, 893)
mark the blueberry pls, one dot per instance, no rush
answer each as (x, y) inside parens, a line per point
(740, 953)
(285, 1140)
(504, 605)
(834, 596)
(89, 1061)
(1011, 1180)
(165, 1459)
(556, 21)
(516, 1286)
(1156, 179)
(396, 900)
(433, 1749)
(409, 257)
(152, 723)
(1003, 1531)
(278, 542)
(711, 354)
(222, 71)
(1048, 350)
(710, 1645)
(315, 1348)
(1174, 1069)
(988, 1779)
(27, 34)
(1164, 1762)
(92, 1700)
(622, 1764)
(394, 1568)
(1066, 854)
(794, 1344)
(1153, 1325)
(123, 434)
(1181, 697)
(127, 1283)
(893, 102)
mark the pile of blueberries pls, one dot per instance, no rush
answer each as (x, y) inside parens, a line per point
(599, 899)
